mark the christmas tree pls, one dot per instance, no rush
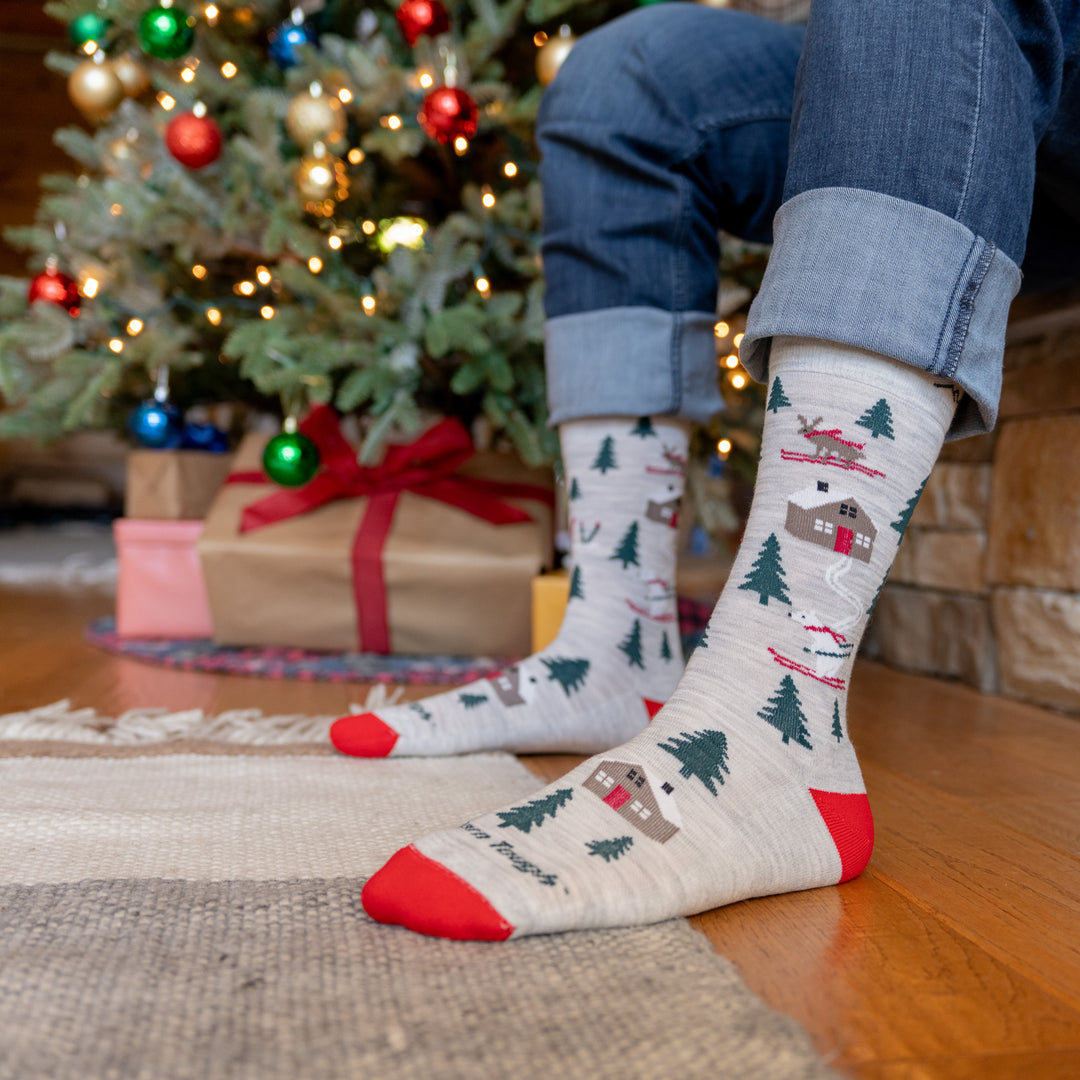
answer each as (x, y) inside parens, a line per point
(610, 849)
(766, 576)
(627, 552)
(878, 419)
(292, 205)
(784, 712)
(569, 674)
(643, 428)
(470, 701)
(577, 589)
(777, 398)
(534, 813)
(665, 647)
(605, 456)
(631, 645)
(902, 522)
(837, 731)
(703, 754)
(575, 489)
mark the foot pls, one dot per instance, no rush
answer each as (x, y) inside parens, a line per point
(746, 783)
(617, 656)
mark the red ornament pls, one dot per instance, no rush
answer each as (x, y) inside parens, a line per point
(448, 113)
(57, 288)
(195, 141)
(418, 17)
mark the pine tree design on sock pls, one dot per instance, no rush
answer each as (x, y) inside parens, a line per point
(766, 576)
(784, 712)
(575, 490)
(665, 648)
(605, 456)
(878, 420)
(420, 711)
(577, 589)
(470, 701)
(610, 849)
(631, 645)
(877, 596)
(703, 754)
(902, 522)
(777, 398)
(569, 674)
(627, 551)
(534, 813)
(643, 428)
(837, 730)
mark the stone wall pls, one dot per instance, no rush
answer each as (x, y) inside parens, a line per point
(986, 584)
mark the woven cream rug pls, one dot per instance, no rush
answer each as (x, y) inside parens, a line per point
(179, 898)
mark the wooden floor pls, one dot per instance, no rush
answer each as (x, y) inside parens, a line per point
(956, 955)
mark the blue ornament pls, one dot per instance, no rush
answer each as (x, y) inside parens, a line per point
(204, 437)
(285, 40)
(156, 425)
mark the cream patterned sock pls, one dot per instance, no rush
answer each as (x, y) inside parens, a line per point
(745, 784)
(617, 656)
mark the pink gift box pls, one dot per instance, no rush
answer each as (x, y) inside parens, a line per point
(160, 591)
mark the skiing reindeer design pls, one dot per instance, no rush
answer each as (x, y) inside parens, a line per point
(829, 443)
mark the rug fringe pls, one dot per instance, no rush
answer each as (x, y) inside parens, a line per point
(59, 721)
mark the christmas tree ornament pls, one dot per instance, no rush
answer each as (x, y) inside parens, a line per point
(419, 18)
(56, 288)
(195, 141)
(315, 116)
(156, 424)
(94, 89)
(203, 437)
(166, 32)
(291, 35)
(132, 74)
(448, 113)
(321, 177)
(290, 459)
(552, 54)
(90, 26)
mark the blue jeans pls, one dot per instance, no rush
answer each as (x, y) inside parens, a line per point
(888, 150)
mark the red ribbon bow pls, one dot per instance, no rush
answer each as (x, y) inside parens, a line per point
(424, 467)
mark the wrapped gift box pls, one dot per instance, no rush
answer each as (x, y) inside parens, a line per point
(451, 583)
(159, 590)
(550, 595)
(173, 485)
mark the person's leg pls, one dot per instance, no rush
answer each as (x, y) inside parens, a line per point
(745, 784)
(632, 132)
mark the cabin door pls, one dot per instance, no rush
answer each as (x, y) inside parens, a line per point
(843, 540)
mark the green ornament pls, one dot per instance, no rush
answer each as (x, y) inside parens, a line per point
(89, 26)
(166, 33)
(290, 459)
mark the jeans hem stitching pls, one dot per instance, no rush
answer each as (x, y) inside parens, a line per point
(967, 308)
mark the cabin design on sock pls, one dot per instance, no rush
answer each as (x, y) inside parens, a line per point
(511, 688)
(663, 508)
(638, 797)
(831, 520)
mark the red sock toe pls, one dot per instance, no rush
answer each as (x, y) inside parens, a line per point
(421, 894)
(363, 735)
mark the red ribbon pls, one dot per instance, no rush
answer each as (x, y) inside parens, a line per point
(425, 467)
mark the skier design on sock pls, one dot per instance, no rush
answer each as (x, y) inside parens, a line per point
(674, 464)
(637, 796)
(830, 448)
(829, 648)
(659, 595)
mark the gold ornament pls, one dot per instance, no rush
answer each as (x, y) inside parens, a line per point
(133, 75)
(322, 180)
(95, 90)
(552, 54)
(315, 117)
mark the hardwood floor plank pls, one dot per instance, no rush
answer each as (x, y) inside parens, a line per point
(986, 880)
(873, 975)
(1045, 1065)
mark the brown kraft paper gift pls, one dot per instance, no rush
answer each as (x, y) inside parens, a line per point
(173, 485)
(455, 584)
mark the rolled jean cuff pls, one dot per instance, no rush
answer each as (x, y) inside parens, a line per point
(892, 277)
(632, 361)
